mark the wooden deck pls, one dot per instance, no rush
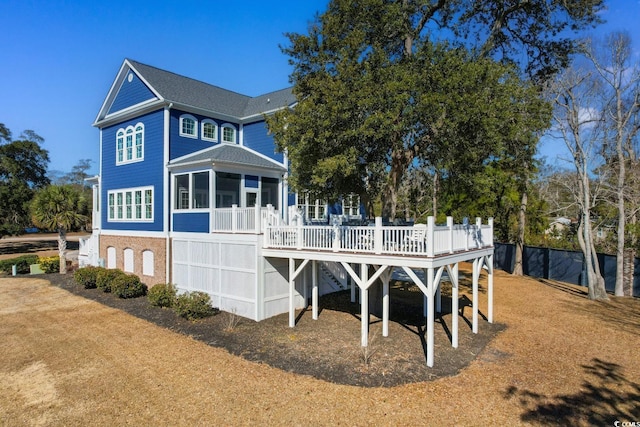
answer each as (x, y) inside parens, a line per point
(433, 249)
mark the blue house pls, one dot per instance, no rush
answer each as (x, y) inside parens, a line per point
(191, 191)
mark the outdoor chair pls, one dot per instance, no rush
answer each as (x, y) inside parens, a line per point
(415, 241)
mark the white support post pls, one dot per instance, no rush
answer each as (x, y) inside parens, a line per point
(430, 318)
(490, 288)
(424, 297)
(352, 286)
(364, 306)
(377, 236)
(292, 286)
(257, 219)
(490, 239)
(385, 303)
(314, 292)
(478, 232)
(455, 310)
(299, 235)
(430, 233)
(336, 238)
(450, 226)
(475, 275)
(234, 218)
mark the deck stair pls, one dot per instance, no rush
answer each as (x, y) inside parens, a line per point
(332, 279)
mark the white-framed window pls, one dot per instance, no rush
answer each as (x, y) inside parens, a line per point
(128, 260)
(228, 133)
(131, 204)
(130, 144)
(191, 190)
(188, 126)
(313, 209)
(351, 205)
(209, 131)
(148, 262)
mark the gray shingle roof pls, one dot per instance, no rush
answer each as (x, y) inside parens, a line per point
(229, 154)
(184, 90)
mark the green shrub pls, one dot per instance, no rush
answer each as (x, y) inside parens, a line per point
(194, 305)
(162, 295)
(106, 277)
(87, 276)
(50, 264)
(128, 286)
(22, 264)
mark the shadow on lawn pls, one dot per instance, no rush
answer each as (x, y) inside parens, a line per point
(406, 309)
(606, 396)
(27, 247)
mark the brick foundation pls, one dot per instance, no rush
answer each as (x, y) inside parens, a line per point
(138, 245)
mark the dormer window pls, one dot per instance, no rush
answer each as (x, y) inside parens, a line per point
(209, 130)
(228, 134)
(130, 144)
(188, 126)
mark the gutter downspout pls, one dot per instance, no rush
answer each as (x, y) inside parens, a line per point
(167, 194)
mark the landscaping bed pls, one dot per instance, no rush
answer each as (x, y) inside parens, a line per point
(328, 348)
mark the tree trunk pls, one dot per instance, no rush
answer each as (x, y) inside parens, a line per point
(595, 281)
(517, 267)
(401, 159)
(62, 248)
(434, 196)
(619, 289)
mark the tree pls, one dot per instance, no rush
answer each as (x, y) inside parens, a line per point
(23, 165)
(620, 83)
(574, 92)
(57, 208)
(366, 77)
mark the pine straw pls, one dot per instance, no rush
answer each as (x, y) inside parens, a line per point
(71, 361)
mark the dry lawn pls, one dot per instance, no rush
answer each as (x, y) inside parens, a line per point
(70, 361)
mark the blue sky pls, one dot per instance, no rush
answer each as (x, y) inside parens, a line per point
(60, 57)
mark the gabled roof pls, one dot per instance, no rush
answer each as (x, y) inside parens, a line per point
(187, 92)
(228, 154)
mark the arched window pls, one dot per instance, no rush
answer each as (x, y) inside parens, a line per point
(148, 260)
(209, 130)
(228, 133)
(111, 257)
(120, 146)
(130, 144)
(188, 126)
(128, 260)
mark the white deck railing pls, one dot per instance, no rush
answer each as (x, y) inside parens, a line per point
(425, 240)
(244, 220)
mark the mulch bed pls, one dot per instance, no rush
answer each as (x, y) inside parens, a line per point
(328, 348)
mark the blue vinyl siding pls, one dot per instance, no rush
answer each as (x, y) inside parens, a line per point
(180, 145)
(195, 222)
(256, 137)
(148, 172)
(131, 93)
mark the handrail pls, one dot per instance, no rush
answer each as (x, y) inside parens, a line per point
(429, 240)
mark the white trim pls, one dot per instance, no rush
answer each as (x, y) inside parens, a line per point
(215, 130)
(195, 126)
(134, 233)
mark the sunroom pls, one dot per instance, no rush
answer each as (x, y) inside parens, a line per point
(225, 188)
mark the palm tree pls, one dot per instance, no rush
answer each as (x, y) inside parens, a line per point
(57, 207)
